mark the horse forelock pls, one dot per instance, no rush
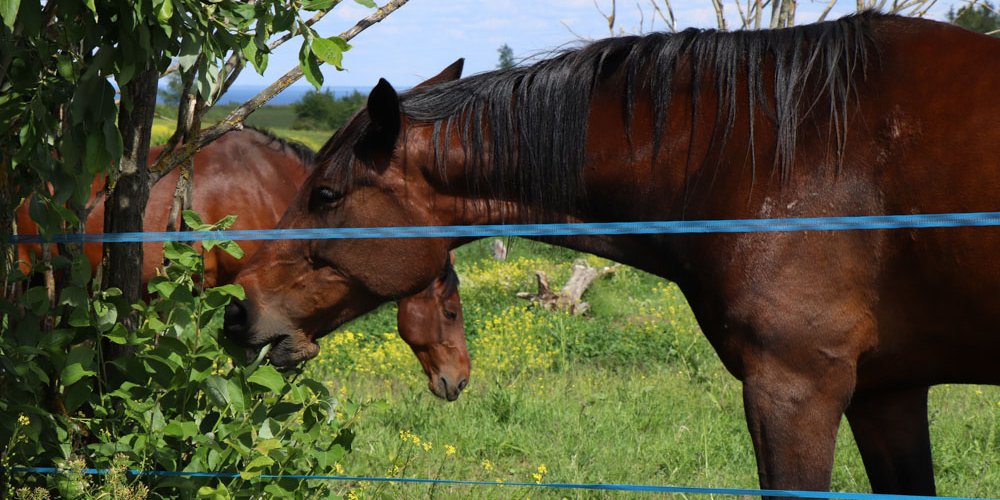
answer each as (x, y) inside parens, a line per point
(523, 130)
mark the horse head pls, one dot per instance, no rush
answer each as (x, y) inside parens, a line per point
(299, 290)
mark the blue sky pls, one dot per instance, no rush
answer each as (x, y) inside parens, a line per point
(424, 36)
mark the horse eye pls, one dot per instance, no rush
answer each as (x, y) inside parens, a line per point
(323, 196)
(450, 314)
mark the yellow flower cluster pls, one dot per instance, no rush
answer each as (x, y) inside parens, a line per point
(540, 473)
(487, 464)
(509, 274)
(23, 420)
(385, 355)
(406, 435)
(515, 340)
(449, 450)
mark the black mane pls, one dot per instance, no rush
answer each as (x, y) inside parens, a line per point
(304, 153)
(524, 129)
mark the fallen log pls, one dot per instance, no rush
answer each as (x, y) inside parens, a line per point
(570, 298)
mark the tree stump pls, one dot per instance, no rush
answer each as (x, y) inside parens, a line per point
(570, 297)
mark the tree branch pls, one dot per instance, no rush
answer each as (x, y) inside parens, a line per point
(234, 120)
(271, 46)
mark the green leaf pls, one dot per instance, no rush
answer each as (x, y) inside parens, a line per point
(367, 3)
(79, 271)
(225, 222)
(72, 374)
(165, 11)
(37, 299)
(78, 361)
(232, 248)
(95, 157)
(113, 140)
(118, 334)
(260, 462)
(73, 296)
(220, 492)
(183, 429)
(318, 4)
(190, 50)
(310, 66)
(237, 397)
(178, 251)
(215, 389)
(193, 220)
(162, 286)
(106, 315)
(268, 377)
(232, 289)
(77, 394)
(8, 12)
(330, 50)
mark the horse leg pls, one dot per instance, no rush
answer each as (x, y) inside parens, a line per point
(893, 437)
(793, 410)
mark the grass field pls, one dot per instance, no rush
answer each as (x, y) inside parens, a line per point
(631, 393)
(277, 119)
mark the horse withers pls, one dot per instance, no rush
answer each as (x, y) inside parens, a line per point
(256, 175)
(867, 115)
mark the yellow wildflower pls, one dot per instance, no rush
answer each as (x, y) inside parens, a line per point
(487, 464)
(23, 420)
(449, 450)
(542, 469)
(428, 445)
(339, 469)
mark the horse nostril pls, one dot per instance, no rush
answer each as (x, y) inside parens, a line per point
(461, 384)
(234, 321)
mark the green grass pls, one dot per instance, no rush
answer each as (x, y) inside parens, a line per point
(631, 393)
(277, 119)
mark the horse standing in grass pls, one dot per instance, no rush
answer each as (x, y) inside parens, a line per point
(255, 175)
(868, 115)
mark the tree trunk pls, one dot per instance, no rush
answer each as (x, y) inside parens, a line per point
(7, 251)
(128, 190)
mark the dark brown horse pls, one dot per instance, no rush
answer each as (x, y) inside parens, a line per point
(255, 175)
(870, 114)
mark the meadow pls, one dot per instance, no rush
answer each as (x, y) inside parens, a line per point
(630, 392)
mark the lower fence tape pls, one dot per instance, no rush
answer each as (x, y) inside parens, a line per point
(695, 490)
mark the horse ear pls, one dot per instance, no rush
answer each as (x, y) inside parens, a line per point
(383, 130)
(452, 72)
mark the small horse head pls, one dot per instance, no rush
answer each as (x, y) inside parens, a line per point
(300, 290)
(431, 323)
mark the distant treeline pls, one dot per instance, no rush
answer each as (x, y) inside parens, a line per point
(324, 111)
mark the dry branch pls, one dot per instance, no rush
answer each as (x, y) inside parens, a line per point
(571, 295)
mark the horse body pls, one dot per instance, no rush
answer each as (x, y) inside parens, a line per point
(866, 115)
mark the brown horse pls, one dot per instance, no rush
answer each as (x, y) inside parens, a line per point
(256, 175)
(870, 114)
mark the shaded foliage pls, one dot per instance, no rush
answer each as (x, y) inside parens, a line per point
(323, 110)
(981, 18)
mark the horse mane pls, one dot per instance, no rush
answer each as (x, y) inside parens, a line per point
(304, 153)
(524, 129)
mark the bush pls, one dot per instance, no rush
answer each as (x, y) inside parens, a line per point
(322, 110)
(178, 404)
